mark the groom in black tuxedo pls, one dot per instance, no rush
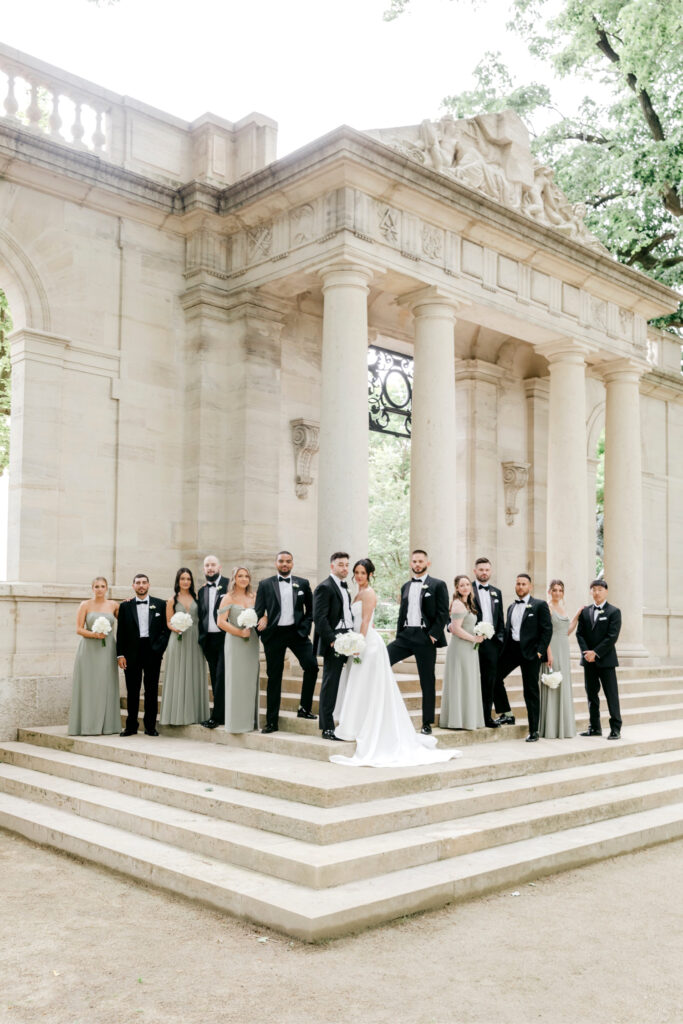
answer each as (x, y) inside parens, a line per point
(141, 639)
(488, 602)
(528, 630)
(422, 618)
(597, 631)
(284, 605)
(332, 615)
(211, 637)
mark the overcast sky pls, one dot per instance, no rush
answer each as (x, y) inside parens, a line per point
(309, 64)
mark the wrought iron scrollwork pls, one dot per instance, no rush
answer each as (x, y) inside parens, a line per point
(390, 391)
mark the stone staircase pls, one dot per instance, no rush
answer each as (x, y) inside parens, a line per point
(264, 827)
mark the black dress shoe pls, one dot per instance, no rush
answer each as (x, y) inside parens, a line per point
(303, 713)
(491, 724)
(269, 728)
(614, 735)
(506, 719)
(590, 731)
(210, 723)
(532, 738)
(151, 732)
(329, 734)
(426, 729)
(126, 733)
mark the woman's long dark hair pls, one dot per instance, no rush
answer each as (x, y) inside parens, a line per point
(368, 565)
(176, 585)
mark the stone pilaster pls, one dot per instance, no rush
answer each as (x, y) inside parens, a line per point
(537, 390)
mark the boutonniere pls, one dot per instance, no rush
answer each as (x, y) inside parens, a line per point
(424, 586)
(295, 585)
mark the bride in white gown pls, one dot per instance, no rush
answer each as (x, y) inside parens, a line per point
(370, 708)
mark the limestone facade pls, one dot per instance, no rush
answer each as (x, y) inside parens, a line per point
(182, 301)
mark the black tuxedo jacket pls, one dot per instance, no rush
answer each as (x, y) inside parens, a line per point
(535, 631)
(203, 605)
(496, 608)
(600, 637)
(328, 609)
(128, 632)
(268, 603)
(433, 608)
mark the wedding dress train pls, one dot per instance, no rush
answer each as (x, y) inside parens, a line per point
(371, 711)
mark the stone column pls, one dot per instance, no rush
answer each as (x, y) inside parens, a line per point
(343, 457)
(433, 489)
(567, 528)
(624, 501)
(537, 389)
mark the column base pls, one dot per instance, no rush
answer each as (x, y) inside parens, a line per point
(628, 653)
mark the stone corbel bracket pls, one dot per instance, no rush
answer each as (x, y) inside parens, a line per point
(515, 476)
(305, 434)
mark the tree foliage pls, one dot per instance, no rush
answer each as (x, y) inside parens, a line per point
(623, 157)
(5, 380)
(389, 526)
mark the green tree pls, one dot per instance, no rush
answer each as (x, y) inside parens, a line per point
(5, 380)
(389, 526)
(623, 158)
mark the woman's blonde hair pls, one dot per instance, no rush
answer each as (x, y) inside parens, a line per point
(231, 585)
(103, 578)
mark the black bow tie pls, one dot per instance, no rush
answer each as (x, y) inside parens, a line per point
(482, 587)
(416, 579)
(211, 584)
(343, 584)
(141, 602)
(519, 600)
(284, 579)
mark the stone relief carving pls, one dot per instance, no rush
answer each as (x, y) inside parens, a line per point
(515, 476)
(388, 225)
(491, 153)
(432, 242)
(305, 440)
(302, 220)
(259, 241)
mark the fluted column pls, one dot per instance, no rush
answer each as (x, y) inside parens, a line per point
(567, 502)
(343, 458)
(624, 501)
(433, 488)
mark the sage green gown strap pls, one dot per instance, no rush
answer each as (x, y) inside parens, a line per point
(241, 677)
(185, 692)
(557, 720)
(95, 700)
(461, 703)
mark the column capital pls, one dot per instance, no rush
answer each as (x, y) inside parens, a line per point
(478, 369)
(338, 266)
(563, 350)
(425, 301)
(625, 370)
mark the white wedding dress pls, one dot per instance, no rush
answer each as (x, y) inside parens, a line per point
(371, 711)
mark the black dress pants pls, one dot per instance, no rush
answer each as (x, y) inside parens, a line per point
(593, 676)
(413, 640)
(143, 671)
(489, 656)
(510, 659)
(279, 641)
(332, 670)
(213, 647)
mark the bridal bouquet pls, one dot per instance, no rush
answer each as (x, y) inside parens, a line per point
(181, 621)
(551, 679)
(102, 625)
(484, 630)
(350, 645)
(247, 619)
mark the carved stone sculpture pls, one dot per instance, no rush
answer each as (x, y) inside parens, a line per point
(305, 435)
(515, 476)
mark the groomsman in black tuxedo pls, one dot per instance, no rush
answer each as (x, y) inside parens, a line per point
(284, 605)
(211, 637)
(488, 601)
(597, 631)
(528, 630)
(141, 639)
(332, 615)
(422, 618)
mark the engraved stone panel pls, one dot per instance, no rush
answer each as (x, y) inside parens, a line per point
(540, 287)
(259, 242)
(599, 312)
(388, 223)
(472, 259)
(432, 242)
(302, 224)
(571, 297)
(508, 274)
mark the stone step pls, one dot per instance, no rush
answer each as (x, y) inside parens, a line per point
(313, 914)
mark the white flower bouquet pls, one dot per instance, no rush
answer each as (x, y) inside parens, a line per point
(350, 645)
(551, 679)
(484, 630)
(247, 619)
(181, 621)
(102, 625)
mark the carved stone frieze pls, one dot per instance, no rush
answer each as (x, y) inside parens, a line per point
(515, 476)
(302, 221)
(432, 242)
(305, 435)
(259, 242)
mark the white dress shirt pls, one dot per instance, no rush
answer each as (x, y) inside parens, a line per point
(414, 618)
(595, 611)
(212, 595)
(517, 616)
(143, 615)
(346, 621)
(485, 603)
(286, 603)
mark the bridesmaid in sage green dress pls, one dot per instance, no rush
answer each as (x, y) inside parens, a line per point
(461, 706)
(241, 656)
(95, 701)
(185, 693)
(557, 707)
